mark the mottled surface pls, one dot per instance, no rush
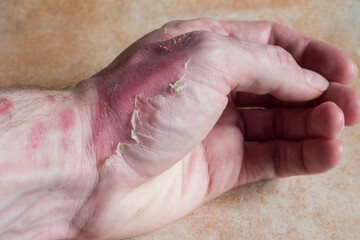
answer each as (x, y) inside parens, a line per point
(58, 43)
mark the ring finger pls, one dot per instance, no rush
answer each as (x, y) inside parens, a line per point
(324, 121)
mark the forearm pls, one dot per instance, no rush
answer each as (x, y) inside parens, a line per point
(46, 166)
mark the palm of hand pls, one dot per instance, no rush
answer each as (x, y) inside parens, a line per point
(222, 146)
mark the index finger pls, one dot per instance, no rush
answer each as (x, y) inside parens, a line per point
(309, 53)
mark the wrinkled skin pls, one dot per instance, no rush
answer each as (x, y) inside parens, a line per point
(193, 145)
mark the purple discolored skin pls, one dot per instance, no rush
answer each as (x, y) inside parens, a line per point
(147, 70)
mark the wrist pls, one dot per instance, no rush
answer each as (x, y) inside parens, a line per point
(106, 121)
(81, 175)
(47, 167)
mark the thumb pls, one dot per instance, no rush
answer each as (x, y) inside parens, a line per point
(256, 68)
(278, 74)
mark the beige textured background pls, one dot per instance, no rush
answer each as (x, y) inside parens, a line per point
(58, 43)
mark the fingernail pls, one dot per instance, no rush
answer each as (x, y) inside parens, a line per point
(356, 70)
(316, 80)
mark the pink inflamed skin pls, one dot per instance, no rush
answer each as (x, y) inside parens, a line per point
(66, 123)
(5, 107)
(35, 139)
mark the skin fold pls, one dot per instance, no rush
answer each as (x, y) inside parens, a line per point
(186, 113)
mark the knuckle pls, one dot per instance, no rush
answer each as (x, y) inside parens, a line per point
(207, 43)
(209, 48)
(206, 37)
(281, 57)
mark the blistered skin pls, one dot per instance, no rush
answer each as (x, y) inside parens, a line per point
(148, 71)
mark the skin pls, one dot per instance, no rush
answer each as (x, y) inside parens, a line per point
(132, 155)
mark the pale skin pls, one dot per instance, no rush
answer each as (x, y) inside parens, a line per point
(125, 152)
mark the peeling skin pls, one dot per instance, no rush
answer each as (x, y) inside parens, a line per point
(133, 136)
(140, 102)
(186, 63)
(179, 84)
(136, 123)
(147, 70)
(109, 160)
(164, 47)
(140, 99)
(156, 101)
(120, 147)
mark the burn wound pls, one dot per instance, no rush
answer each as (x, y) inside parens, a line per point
(142, 132)
(5, 107)
(148, 71)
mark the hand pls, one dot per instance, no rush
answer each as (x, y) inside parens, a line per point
(169, 133)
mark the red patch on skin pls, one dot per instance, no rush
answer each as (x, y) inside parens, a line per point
(67, 122)
(50, 98)
(5, 106)
(35, 139)
(66, 98)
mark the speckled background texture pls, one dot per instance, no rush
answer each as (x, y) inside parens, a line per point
(58, 43)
